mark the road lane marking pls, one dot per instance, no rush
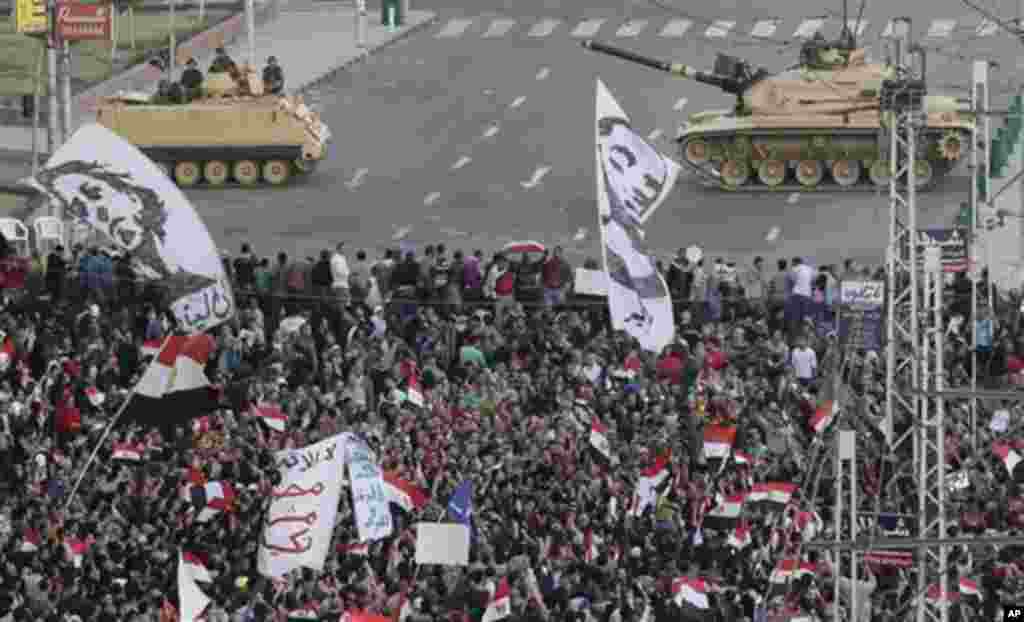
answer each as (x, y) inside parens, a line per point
(357, 179)
(808, 27)
(581, 234)
(676, 28)
(680, 104)
(454, 28)
(764, 28)
(719, 30)
(463, 161)
(773, 234)
(517, 102)
(538, 175)
(491, 131)
(588, 28)
(654, 135)
(987, 28)
(499, 28)
(631, 28)
(431, 198)
(941, 28)
(793, 198)
(401, 232)
(543, 73)
(544, 28)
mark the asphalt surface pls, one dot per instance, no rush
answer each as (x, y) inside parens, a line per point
(481, 135)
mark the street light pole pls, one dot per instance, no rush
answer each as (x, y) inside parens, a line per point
(51, 80)
(66, 91)
(361, 23)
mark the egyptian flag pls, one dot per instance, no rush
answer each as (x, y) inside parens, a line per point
(131, 452)
(7, 354)
(174, 388)
(891, 559)
(590, 550)
(196, 565)
(718, 441)
(969, 587)
(75, 550)
(192, 602)
(500, 606)
(360, 549)
(934, 594)
(1011, 459)
(775, 495)
(404, 493)
(599, 438)
(647, 484)
(95, 396)
(31, 541)
(413, 392)
(725, 515)
(743, 459)
(824, 415)
(271, 415)
(151, 348)
(740, 538)
(690, 592)
(211, 499)
(788, 570)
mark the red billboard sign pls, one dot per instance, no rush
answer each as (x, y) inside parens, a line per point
(83, 22)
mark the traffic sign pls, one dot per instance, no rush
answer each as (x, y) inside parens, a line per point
(31, 17)
(77, 21)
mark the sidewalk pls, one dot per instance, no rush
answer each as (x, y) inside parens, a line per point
(311, 39)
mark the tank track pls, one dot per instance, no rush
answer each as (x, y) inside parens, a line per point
(708, 174)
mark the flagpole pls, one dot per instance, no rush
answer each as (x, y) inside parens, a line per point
(106, 433)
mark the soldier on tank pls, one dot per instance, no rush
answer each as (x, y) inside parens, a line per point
(222, 63)
(273, 77)
(192, 79)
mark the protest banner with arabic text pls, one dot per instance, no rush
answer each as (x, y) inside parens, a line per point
(303, 508)
(369, 502)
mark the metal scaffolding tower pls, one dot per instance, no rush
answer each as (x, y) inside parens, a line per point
(907, 371)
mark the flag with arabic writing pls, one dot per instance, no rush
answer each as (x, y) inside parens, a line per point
(303, 507)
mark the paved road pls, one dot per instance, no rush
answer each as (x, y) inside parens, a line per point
(441, 133)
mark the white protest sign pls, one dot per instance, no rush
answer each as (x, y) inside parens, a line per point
(446, 544)
(862, 293)
(303, 508)
(591, 282)
(370, 503)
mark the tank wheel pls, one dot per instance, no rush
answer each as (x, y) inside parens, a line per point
(187, 173)
(809, 173)
(735, 173)
(304, 166)
(924, 173)
(216, 172)
(880, 173)
(276, 172)
(246, 172)
(771, 172)
(846, 172)
(697, 152)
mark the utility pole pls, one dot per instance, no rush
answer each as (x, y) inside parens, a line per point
(66, 121)
(980, 165)
(903, 112)
(52, 140)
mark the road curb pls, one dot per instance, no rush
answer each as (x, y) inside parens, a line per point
(355, 60)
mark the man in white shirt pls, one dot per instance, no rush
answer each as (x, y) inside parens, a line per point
(799, 304)
(340, 274)
(804, 362)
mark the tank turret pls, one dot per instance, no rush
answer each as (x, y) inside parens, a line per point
(820, 123)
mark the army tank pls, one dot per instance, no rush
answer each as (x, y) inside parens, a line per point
(816, 126)
(230, 132)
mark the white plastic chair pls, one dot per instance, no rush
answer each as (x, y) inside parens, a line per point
(16, 233)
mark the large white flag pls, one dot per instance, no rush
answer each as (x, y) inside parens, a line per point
(369, 499)
(99, 179)
(633, 180)
(303, 507)
(192, 602)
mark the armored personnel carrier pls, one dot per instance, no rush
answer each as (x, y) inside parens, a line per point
(229, 133)
(816, 126)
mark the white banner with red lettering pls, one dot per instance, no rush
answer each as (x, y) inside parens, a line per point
(303, 508)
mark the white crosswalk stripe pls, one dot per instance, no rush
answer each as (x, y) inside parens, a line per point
(676, 28)
(765, 28)
(454, 28)
(544, 28)
(987, 28)
(499, 28)
(941, 28)
(588, 28)
(718, 30)
(808, 27)
(631, 28)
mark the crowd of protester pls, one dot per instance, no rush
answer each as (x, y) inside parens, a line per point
(514, 367)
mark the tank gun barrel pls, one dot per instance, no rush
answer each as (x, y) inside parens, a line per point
(729, 85)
